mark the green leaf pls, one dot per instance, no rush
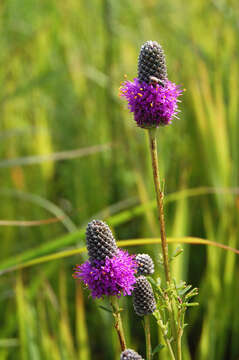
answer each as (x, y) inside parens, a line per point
(192, 304)
(176, 253)
(185, 290)
(159, 282)
(192, 293)
(154, 285)
(153, 282)
(105, 309)
(157, 348)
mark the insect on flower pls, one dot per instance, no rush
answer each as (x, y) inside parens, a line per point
(154, 81)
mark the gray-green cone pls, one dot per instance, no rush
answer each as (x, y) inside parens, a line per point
(143, 297)
(151, 63)
(145, 264)
(100, 241)
(129, 354)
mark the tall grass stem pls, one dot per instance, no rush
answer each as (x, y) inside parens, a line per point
(159, 197)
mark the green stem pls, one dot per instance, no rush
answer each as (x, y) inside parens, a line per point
(118, 321)
(159, 197)
(179, 337)
(174, 333)
(147, 337)
(167, 342)
(170, 349)
(179, 350)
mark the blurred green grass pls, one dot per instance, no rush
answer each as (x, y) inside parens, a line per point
(61, 64)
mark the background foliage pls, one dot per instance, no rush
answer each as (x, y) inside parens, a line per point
(61, 63)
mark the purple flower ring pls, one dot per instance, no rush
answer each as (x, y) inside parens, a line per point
(112, 276)
(152, 104)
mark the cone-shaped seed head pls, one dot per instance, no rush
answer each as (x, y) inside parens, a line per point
(100, 241)
(145, 264)
(143, 297)
(151, 62)
(129, 354)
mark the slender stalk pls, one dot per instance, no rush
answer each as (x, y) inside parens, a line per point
(174, 333)
(118, 321)
(167, 342)
(159, 197)
(179, 349)
(179, 336)
(147, 337)
(170, 348)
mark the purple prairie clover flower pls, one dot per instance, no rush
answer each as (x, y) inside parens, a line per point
(152, 104)
(111, 276)
(152, 98)
(109, 271)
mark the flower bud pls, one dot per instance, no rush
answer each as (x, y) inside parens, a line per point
(129, 354)
(100, 241)
(145, 264)
(143, 297)
(151, 63)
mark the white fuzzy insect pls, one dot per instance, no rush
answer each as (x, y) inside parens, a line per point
(155, 80)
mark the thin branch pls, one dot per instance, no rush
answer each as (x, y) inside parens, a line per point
(118, 322)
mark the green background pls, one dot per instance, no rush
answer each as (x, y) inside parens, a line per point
(61, 64)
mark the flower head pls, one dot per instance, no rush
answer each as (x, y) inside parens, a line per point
(112, 276)
(130, 354)
(143, 297)
(151, 62)
(145, 264)
(100, 241)
(152, 104)
(152, 98)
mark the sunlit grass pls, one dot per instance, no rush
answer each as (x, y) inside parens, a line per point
(61, 66)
